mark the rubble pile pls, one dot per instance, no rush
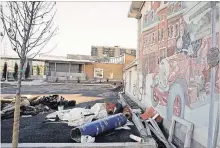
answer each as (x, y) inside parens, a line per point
(35, 105)
(89, 122)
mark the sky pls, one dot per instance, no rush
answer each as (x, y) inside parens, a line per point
(83, 24)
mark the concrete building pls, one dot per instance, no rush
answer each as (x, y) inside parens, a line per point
(50, 67)
(72, 67)
(104, 51)
(172, 73)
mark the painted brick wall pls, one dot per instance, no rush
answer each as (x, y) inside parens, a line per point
(180, 27)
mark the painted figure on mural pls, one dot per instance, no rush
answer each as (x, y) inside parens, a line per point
(185, 44)
(183, 41)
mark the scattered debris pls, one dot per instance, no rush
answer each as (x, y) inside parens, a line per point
(125, 127)
(99, 126)
(87, 139)
(110, 107)
(127, 112)
(119, 108)
(149, 113)
(136, 111)
(138, 123)
(136, 138)
(156, 130)
(79, 116)
(33, 105)
(189, 131)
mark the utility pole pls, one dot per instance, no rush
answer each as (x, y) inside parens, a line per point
(212, 82)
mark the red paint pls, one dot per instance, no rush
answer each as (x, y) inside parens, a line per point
(177, 106)
(160, 96)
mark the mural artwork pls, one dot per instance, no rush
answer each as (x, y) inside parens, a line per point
(183, 79)
(98, 73)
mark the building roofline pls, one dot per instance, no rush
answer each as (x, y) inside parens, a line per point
(135, 9)
(49, 58)
(113, 47)
(133, 63)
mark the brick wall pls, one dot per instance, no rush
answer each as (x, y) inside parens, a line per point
(129, 59)
(108, 68)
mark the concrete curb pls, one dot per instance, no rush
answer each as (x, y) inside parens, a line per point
(150, 144)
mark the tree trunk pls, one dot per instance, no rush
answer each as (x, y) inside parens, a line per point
(15, 135)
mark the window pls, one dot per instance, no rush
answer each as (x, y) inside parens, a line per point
(171, 31)
(159, 35)
(146, 40)
(180, 5)
(172, 8)
(145, 44)
(168, 32)
(162, 34)
(94, 51)
(111, 54)
(146, 18)
(170, 52)
(152, 15)
(162, 54)
(153, 38)
(133, 52)
(122, 51)
(145, 65)
(177, 30)
(152, 62)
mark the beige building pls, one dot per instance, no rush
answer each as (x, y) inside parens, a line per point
(105, 51)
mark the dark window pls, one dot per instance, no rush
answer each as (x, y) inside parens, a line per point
(153, 37)
(133, 52)
(171, 31)
(159, 35)
(145, 65)
(180, 5)
(152, 62)
(94, 51)
(162, 34)
(168, 32)
(177, 30)
(152, 15)
(122, 51)
(146, 40)
(170, 52)
(162, 54)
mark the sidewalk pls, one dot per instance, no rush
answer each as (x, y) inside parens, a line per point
(34, 82)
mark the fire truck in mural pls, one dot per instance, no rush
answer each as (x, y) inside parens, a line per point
(183, 79)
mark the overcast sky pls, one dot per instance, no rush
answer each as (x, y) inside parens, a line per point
(82, 24)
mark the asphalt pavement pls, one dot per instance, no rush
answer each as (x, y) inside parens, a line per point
(33, 130)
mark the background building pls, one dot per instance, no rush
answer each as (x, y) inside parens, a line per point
(72, 67)
(104, 51)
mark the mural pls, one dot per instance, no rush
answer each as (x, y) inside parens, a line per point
(182, 78)
(98, 73)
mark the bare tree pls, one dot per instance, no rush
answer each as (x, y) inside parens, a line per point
(29, 26)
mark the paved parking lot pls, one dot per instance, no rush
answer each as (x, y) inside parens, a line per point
(32, 130)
